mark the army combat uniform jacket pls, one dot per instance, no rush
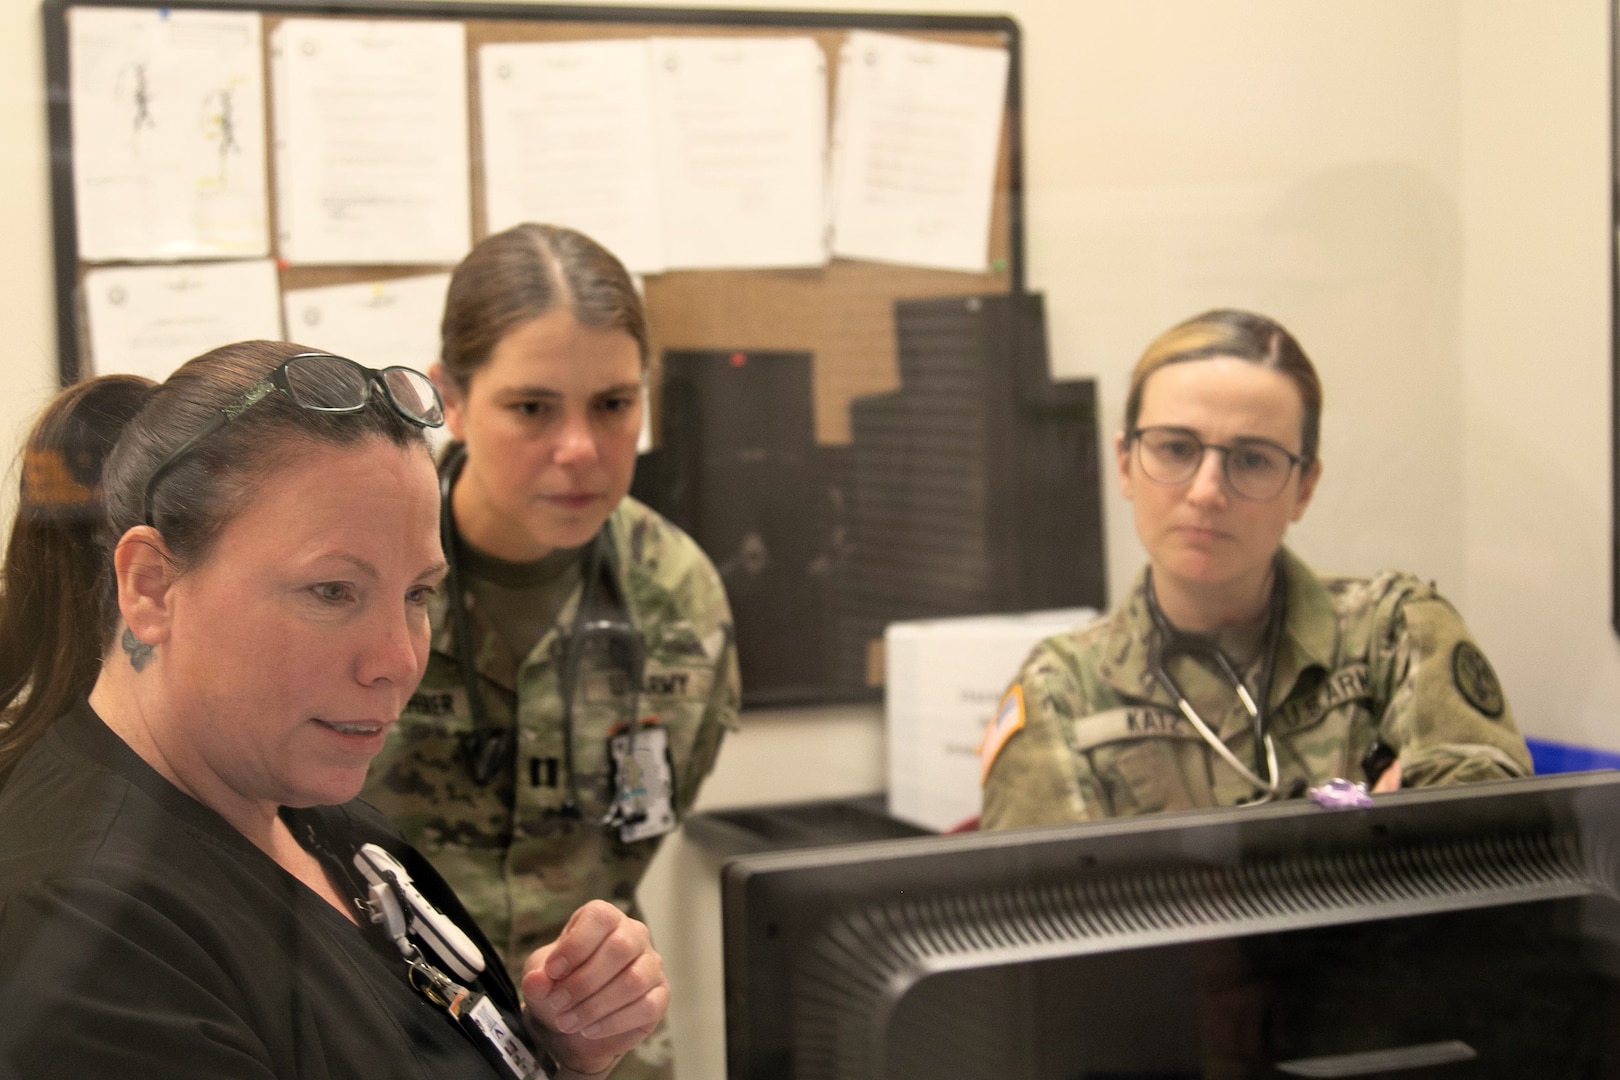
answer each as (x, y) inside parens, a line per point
(519, 863)
(1086, 731)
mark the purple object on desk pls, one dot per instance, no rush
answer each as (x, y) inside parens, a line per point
(1341, 794)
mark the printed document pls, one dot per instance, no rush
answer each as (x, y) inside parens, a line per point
(168, 133)
(371, 141)
(916, 131)
(378, 323)
(741, 129)
(944, 681)
(148, 320)
(567, 138)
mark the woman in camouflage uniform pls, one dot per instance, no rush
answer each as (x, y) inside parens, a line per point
(1233, 673)
(583, 672)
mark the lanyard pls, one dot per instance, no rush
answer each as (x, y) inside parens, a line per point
(1169, 643)
(408, 918)
(429, 942)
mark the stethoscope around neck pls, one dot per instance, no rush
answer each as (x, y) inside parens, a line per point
(488, 747)
(1169, 643)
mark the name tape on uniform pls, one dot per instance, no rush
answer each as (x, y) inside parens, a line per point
(695, 682)
(1132, 722)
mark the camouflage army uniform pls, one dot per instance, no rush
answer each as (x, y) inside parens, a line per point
(519, 866)
(1361, 660)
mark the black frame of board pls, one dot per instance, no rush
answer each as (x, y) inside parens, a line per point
(59, 112)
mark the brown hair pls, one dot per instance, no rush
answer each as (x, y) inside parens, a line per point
(1240, 334)
(523, 273)
(85, 468)
(50, 588)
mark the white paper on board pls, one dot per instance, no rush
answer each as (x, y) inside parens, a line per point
(148, 320)
(378, 323)
(567, 140)
(168, 133)
(371, 141)
(279, 153)
(916, 133)
(741, 130)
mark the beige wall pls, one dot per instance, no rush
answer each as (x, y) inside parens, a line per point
(1536, 337)
(1417, 187)
(27, 311)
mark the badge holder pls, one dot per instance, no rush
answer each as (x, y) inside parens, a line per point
(404, 913)
(643, 783)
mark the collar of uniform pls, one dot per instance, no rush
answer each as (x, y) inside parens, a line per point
(496, 663)
(494, 660)
(439, 619)
(626, 532)
(1124, 661)
(1310, 637)
(1310, 628)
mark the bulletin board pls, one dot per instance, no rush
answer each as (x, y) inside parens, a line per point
(853, 443)
(842, 313)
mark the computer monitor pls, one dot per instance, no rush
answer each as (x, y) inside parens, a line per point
(1455, 932)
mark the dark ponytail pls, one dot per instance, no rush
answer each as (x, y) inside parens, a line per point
(56, 578)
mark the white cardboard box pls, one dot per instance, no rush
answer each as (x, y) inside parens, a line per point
(943, 680)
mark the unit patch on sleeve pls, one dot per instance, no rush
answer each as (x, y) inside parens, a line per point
(1475, 680)
(1009, 719)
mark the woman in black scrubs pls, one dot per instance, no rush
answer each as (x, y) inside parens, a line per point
(191, 700)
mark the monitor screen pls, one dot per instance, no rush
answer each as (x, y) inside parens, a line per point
(1455, 932)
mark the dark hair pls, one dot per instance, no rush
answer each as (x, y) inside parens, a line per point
(1245, 336)
(523, 273)
(85, 468)
(51, 586)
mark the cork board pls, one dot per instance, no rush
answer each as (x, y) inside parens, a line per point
(841, 313)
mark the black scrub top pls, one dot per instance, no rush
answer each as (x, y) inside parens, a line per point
(141, 935)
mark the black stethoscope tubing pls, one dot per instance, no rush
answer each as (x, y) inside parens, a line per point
(490, 747)
(1168, 643)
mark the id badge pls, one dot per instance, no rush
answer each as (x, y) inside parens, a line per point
(644, 784)
(483, 1021)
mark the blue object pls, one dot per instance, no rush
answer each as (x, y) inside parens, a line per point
(1551, 757)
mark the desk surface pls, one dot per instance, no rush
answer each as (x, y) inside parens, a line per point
(750, 829)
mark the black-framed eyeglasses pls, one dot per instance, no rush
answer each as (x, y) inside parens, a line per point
(1255, 469)
(325, 383)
